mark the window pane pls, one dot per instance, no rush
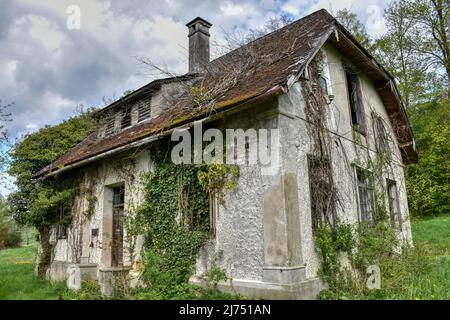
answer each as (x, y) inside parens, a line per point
(365, 192)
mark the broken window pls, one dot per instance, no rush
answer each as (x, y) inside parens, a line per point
(365, 195)
(321, 191)
(355, 100)
(143, 110)
(394, 204)
(61, 231)
(126, 118)
(110, 124)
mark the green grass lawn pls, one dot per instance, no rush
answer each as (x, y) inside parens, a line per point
(433, 232)
(432, 239)
(17, 281)
(425, 274)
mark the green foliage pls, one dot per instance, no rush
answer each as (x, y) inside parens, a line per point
(428, 182)
(90, 290)
(351, 22)
(35, 203)
(176, 209)
(363, 246)
(414, 273)
(9, 237)
(175, 219)
(38, 203)
(218, 178)
(216, 274)
(177, 212)
(17, 281)
(201, 96)
(9, 234)
(329, 244)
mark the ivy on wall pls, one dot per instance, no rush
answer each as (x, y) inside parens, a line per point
(175, 218)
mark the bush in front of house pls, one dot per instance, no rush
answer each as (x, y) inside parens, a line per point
(9, 237)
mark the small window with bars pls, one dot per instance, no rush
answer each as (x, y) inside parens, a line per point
(143, 111)
(126, 118)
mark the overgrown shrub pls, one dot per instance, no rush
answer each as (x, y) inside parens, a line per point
(9, 237)
(90, 290)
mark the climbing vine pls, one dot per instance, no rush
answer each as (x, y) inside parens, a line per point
(176, 216)
(345, 250)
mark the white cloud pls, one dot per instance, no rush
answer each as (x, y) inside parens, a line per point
(49, 69)
(232, 9)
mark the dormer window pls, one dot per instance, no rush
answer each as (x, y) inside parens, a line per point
(143, 110)
(110, 124)
(126, 118)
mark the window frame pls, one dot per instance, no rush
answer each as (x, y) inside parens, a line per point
(355, 101)
(395, 217)
(368, 188)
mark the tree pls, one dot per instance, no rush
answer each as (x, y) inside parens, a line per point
(239, 38)
(428, 182)
(351, 22)
(396, 52)
(427, 33)
(36, 203)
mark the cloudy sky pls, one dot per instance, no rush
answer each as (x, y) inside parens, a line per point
(49, 67)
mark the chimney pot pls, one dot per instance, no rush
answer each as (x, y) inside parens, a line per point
(198, 44)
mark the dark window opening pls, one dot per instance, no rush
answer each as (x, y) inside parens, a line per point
(366, 195)
(355, 100)
(321, 192)
(126, 118)
(143, 111)
(394, 204)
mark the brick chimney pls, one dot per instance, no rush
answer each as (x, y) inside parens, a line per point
(198, 44)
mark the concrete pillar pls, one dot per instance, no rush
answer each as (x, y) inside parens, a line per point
(282, 240)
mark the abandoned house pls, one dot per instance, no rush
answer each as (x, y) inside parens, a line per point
(337, 110)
